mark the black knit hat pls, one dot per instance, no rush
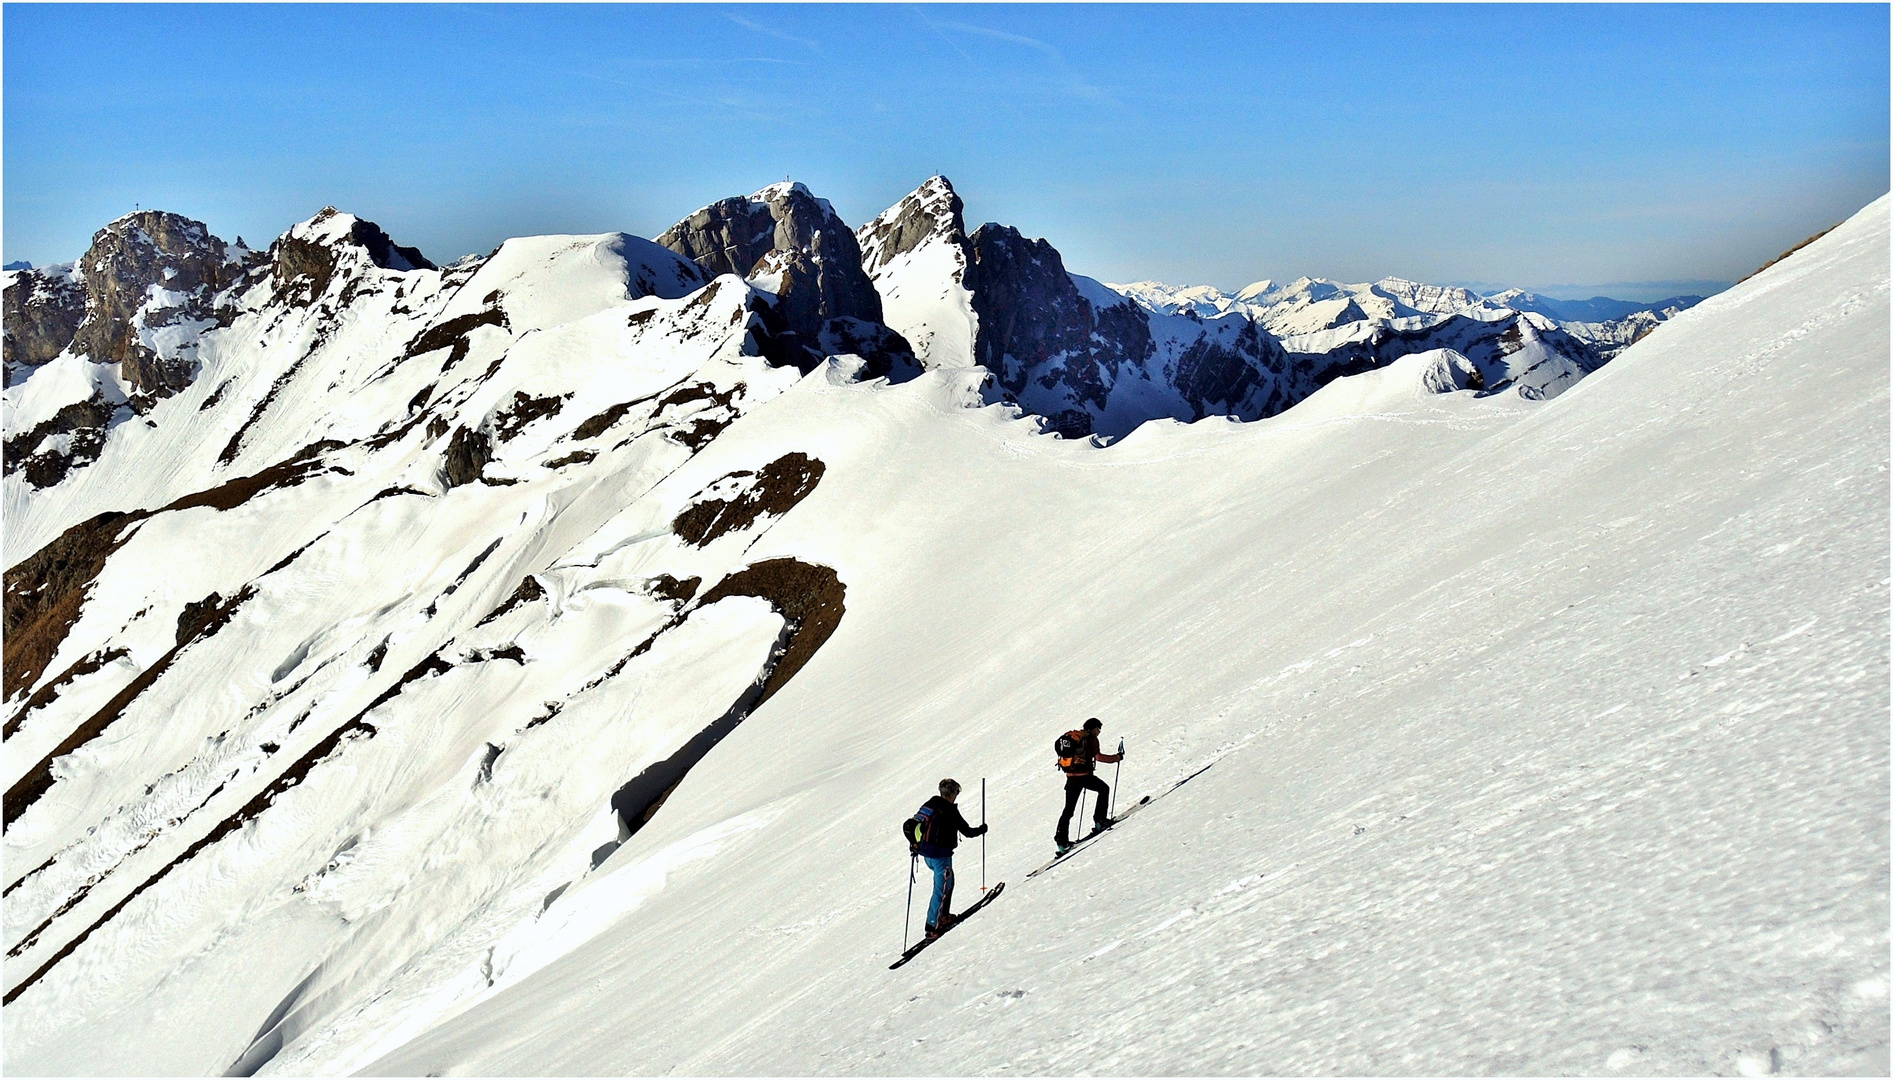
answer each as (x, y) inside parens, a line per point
(949, 787)
(1094, 724)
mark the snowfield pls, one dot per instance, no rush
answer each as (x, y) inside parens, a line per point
(1521, 736)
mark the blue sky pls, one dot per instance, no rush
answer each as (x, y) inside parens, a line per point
(1628, 149)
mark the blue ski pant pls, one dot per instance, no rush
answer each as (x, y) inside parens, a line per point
(942, 889)
(1075, 787)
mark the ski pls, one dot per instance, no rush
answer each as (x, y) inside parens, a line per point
(1140, 804)
(964, 915)
(1089, 837)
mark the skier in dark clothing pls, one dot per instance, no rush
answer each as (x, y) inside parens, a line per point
(940, 829)
(1081, 776)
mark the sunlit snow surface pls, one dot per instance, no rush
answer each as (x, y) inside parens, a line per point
(1543, 737)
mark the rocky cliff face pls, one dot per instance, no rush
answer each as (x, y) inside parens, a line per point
(1088, 359)
(912, 288)
(918, 256)
(152, 281)
(793, 245)
(1031, 315)
(932, 212)
(43, 309)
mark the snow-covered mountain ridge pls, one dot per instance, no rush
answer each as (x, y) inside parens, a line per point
(582, 618)
(1309, 305)
(94, 344)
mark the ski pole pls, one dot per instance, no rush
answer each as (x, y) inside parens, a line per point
(912, 862)
(1116, 776)
(982, 836)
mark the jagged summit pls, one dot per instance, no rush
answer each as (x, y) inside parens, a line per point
(931, 211)
(331, 227)
(731, 236)
(794, 247)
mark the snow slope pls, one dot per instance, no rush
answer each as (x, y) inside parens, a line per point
(1581, 771)
(1525, 736)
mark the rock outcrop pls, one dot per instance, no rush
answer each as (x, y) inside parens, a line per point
(145, 274)
(1088, 359)
(918, 255)
(793, 246)
(931, 212)
(305, 260)
(43, 309)
(137, 303)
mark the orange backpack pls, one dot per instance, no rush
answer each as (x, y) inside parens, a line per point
(1071, 749)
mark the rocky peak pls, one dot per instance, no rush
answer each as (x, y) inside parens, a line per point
(144, 272)
(726, 237)
(793, 246)
(735, 235)
(305, 258)
(1088, 358)
(933, 209)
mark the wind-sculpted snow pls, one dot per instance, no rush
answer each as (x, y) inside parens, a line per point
(482, 655)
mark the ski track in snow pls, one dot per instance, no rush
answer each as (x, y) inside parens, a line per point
(1547, 737)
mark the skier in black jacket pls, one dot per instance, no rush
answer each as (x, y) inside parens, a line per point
(941, 827)
(1080, 776)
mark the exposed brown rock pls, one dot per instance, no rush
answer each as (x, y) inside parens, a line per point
(597, 425)
(780, 485)
(576, 457)
(1792, 250)
(812, 598)
(453, 332)
(665, 587)
(47, 589)
(200, 621)
(87, 422)
(467, 456)
(303, 268)
(528, 591)
(525, 410)
(49, 693)
(130, 258)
